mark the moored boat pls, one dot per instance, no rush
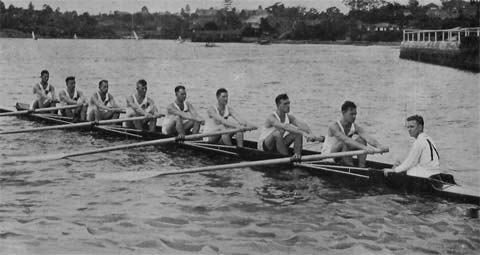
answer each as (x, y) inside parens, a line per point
(442, 185)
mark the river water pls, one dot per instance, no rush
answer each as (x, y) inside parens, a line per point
(60, 208)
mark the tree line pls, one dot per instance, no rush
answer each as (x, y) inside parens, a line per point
(293, 23)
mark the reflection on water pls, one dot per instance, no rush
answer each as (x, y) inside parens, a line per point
(59, 208)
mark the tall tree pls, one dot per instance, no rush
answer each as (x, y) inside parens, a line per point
(364, 5)
(2, 7)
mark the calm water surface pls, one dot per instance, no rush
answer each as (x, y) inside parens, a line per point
(59, 207)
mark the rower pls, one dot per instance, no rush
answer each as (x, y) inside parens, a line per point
(72, 96)
(346, 135)
(219, 119)
(182, 118)
(44, 93)
(102, 105)
(139, 104)
(423, 159)
(281, 129)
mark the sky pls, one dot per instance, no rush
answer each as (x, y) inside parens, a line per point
(105, 6)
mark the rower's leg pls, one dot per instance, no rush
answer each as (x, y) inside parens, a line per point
(152, 124)
(362, 159)
(115, 115)
(179, 125)
(138, 124)
(297, 140)
(239, 139)
(226, 139)
(275, 141)
(341, 147)
(214, 139)
(196, 127)
(83, 112)
(91, 114)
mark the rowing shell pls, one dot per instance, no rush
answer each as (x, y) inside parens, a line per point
(442, 185)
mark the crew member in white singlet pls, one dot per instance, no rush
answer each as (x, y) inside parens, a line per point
(102, 105)
(281, 129)
(423, 159)
(345, 135)
(72, 96)
(182, 118)
(44, 93)
(139, 104)
(220, 118)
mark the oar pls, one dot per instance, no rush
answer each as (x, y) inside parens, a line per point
(121, 147)
(136, 176)
(77, 125)
(39, 110)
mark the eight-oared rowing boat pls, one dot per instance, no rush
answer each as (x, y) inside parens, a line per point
(442, 185)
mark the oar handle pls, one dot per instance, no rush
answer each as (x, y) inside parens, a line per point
(135, 176)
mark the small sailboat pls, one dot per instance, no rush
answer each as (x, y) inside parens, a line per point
(33, 36)
(135, 36)
(75, 36)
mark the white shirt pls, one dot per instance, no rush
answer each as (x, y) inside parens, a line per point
(423, 153)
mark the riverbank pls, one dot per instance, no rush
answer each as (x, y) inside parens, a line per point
(18, 34)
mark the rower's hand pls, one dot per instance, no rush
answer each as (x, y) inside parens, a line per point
(397, 162)
(149, 115)
(371, 150)
(310, 137)
(387, 171)
(383, 148)
(320, 139)
(181, 137)
(296, 157)
(202, 121)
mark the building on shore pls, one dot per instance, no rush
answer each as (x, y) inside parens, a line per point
(456, 47)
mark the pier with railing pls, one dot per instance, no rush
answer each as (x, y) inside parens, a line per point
(457, 47)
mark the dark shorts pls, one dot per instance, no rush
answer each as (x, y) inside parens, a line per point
(265, 148)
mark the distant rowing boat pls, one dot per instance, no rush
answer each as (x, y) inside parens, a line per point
(441, 186)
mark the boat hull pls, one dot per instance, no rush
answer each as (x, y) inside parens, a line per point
(444, 186)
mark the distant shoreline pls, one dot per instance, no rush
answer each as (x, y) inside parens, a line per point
(357, 43)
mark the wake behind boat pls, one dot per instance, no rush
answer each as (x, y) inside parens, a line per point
(442, 185)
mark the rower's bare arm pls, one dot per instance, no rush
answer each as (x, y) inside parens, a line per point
(115, 106)
(240, 120)
(135, 107)
(63, 96)
(154, 107)
(335, 131)
(171, 109)
(300, 124)
(369, 139)
(287, 127)
(39, 92)
(81, 98)
(97, 103)
(213, 114)
(194, 112)
(54, 95)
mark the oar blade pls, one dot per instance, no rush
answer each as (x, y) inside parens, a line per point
(36, 158)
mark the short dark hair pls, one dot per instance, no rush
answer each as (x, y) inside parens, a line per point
(179, 87)
(102, 81)
(43, 72)
(281, 97)
(142, 82)
(348, 105)
(69, 78)
(417, 118)
(220, 91)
